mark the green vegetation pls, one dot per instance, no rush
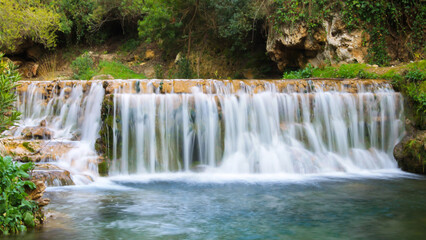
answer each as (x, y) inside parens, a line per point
(84, 69)
(344, 71)
(27, 19)
(118, 70)
(413, 86)
(16, 212)
(8, 81)
(180, 23)
(184, 70)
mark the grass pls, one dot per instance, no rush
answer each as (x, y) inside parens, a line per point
(357, 70)
(85, 69)
(117, 70)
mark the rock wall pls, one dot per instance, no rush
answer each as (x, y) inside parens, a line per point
(295, 46)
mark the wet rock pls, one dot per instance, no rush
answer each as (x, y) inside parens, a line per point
(34, 150)
(52, 175)
(37, 133)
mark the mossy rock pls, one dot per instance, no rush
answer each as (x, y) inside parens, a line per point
(411, 152)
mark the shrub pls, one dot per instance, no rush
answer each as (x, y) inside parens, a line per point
(184, 70)
(8, 81)
(82, 67)
(300, 74)
(16, 213)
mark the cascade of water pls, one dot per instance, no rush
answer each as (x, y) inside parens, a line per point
(312, 131)
(73, 116)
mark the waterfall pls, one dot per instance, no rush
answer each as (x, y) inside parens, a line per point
(254, 129)
(73, 113)
(215, 126)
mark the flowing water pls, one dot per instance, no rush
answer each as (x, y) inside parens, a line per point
(215, 162)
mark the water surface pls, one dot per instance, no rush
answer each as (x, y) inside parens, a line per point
(179, 206)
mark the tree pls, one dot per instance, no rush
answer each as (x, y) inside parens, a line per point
(27, 19)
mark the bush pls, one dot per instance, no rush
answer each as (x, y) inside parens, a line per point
(8, 81)
(300, 74)
(16, 213)
(82, 67)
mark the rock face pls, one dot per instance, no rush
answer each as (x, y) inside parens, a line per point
(411, 151)
(295, 46)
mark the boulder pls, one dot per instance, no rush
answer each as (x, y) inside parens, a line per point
(410, 153)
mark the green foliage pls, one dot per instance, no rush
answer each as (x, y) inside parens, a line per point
(118, 70)
(83, 67)
(177, 23)
(344, 71)
(8, 82)
(27, 19)
(184, 70)
(413, 86)
(16, 213)
(310, 12)
(130, 45)
(159, 71)
(300, 74)
(384, 19)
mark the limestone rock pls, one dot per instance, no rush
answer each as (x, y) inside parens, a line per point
(149, 54)
(294, 46)
(37, 193)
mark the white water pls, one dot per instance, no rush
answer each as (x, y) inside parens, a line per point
(74, 116)
(268, 132)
